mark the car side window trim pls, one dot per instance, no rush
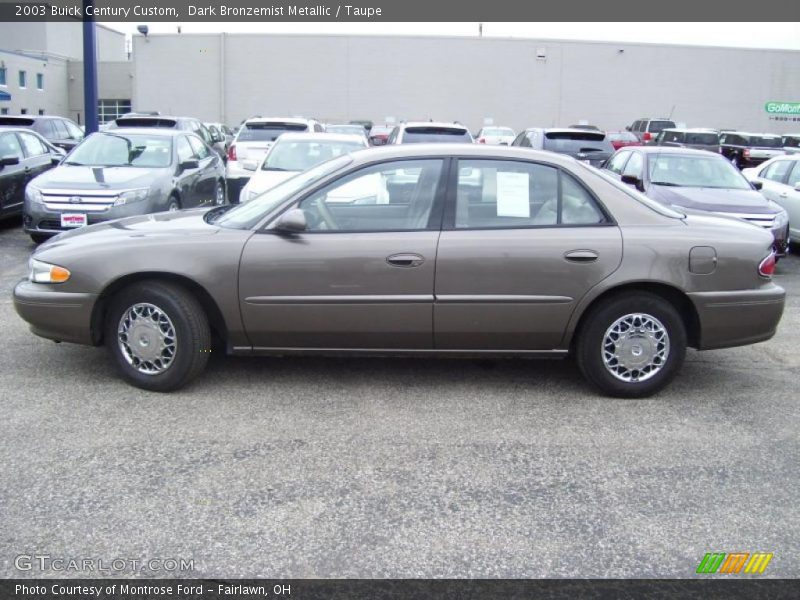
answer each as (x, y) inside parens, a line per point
(450, 208)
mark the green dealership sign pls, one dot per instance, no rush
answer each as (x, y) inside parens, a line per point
(782, 108)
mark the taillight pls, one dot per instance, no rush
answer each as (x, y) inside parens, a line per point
(232, 152)
(647, 137)
(481, 140)
(767, 266)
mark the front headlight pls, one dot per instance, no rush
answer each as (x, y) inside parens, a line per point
(781, 219)
(132, 196)
(42, 272)
(34, 194)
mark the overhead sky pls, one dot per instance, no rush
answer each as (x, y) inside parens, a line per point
(748, 35)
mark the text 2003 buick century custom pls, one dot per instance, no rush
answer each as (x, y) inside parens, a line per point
(439, 249)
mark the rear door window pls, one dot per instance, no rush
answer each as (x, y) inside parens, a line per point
(198, 147)
(184, 148)
(510, 194)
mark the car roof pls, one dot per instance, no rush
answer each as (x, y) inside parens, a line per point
(751, 133)
(672, 150)
(161, 131)
(411, 151)
(439, 124)
(299, 120)
(320, 136)
(564, 130)
(692, 129)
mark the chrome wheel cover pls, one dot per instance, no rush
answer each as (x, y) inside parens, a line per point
(635, 347)
(173, 207)
(146, 337)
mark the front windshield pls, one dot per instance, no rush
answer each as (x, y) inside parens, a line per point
(299, 155)
(244, 216)
(695, 171)
(123, 150)
(498, 131)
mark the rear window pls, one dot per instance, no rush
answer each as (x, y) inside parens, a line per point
(497, 131)
(267, 131)
(426, 134)
(708, 139)
(577, 141)
(657, 126)
(146, 122)
(765, 142)
(16, 121)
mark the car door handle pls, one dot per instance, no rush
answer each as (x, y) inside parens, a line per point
(784, 194)
(405, 260)
(581, 256)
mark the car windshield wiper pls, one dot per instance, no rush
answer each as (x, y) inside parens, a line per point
(266, 168)
(667, 183)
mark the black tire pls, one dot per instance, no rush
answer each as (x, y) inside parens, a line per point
(590, 349)
(191, 334)
(40, 238)
(217, 202)
(173, 203)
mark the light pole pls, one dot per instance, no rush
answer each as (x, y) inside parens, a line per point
(89, 71)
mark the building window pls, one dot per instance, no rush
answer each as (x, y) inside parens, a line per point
(41, 112)
(3, 111)
(23, 111)
(23, 79)
(40, 81)
(2, 76)
(108, 110)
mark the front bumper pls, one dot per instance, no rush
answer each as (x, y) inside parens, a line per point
(53, 314)
(740, 317)
(38, 219)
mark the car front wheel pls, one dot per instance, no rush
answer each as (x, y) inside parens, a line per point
(158, 334)
(631, 345)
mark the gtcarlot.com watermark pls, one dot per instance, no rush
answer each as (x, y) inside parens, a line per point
(61, 564)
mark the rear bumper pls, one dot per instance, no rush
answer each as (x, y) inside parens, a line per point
(739, 317)
(55, 315)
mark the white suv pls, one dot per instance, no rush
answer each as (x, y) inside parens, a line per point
(253, 140)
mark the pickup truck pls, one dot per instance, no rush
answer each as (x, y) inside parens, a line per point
(749, 149)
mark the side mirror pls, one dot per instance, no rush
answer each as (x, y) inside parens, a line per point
(757, 185)
(189, 164)
(7, 161)
(634, 181)
(628, 128)
(292, 221)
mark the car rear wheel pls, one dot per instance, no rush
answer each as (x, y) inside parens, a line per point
(158, 334)
(631, 345)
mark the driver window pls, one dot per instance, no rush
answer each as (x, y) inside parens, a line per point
(200, 149)
(395, 196)
(10, 147)
(185, 151)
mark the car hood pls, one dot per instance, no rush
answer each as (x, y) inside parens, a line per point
(156, 225)
(262, 180)
(98, 178)
(713, 199)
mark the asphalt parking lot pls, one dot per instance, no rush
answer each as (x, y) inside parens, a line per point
(320, 467)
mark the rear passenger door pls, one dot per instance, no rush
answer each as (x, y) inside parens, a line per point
(37, 156)
(522, 243)
(207, 175)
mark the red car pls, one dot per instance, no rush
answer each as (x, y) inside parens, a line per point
(379, 135)
(620, 139)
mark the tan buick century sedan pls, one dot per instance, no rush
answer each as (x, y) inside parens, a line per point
(418, 249)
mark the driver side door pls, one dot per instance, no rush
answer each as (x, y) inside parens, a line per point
(361, 275)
